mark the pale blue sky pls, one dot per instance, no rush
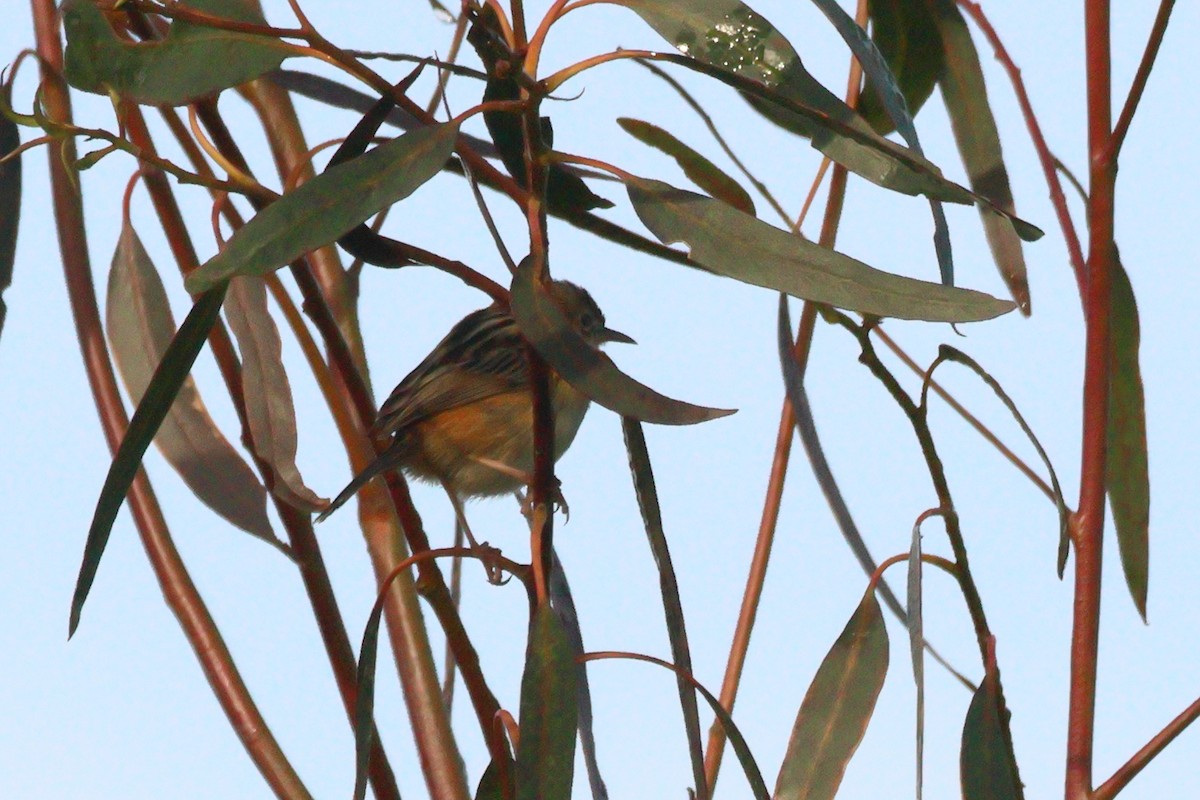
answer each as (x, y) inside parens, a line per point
(123, 710)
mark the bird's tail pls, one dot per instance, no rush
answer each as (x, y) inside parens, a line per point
(382, 463)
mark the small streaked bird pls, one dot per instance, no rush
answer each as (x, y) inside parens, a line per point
(464, 417)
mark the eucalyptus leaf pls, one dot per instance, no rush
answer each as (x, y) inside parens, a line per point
(987, 764)
(1128, 473)
(836, 709)
(727, 242)
(191, 62)
(546, 753)
(907, 36)
(10, 206)
(590, 371)
(140, 327)
(326, 207)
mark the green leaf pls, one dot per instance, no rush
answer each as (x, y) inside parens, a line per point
(156, 402)
(725, 241)
(546, 753)
(10, 206)
(987, 764)
(948, 353)
(191, 62)
(647, 497)
(587, 369)
(1128, 474)
(880, 76)
(978, 140)
(734, 38)
(906, 35)
(490, 787)
(837, 707)
(699, 170)
(270, 414)
(329, 205)
(140, 328)
(916, 645)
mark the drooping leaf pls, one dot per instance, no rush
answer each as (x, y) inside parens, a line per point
(987, 765)
(725, 241)
(916, 646)
(647, 497)
(565, 192)
(906, 35)
(140, 327)
(880, 77)
(948, 353)
(269, 410)
(564, 606)
(329, 205)
(732, 37)
(546, 753)
(699, 170)
(1128, 474)
(587, 369)
(978, 140)
(10, 207)
(191, 62)
(836, 709)
(156, 402)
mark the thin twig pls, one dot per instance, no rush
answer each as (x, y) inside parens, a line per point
(1157, 32)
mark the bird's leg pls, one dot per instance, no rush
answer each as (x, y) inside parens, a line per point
(485, 551)
(526, 478)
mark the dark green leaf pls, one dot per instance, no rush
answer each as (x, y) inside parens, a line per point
(140, 327)
(10, 206)
(329, 205)
(364, 702)
(916, 646)
(948, 353)
(732, 37)
(881, 78)
(836, 709)
(906, 35)
(490, 787)
(586, 368)
(269, 410)
(987, 765)
(978, 141)
(724, 240)
(546, 753)
(1128, 462)
(192, 61)
(699, 170)
(565, 192)
(156, 402)
(647, 497)
(564, 606)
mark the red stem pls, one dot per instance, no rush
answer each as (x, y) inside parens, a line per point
(1088, 522)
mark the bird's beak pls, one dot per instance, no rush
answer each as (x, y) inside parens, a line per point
(609, 335)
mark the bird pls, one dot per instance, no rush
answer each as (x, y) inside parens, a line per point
(464, 416)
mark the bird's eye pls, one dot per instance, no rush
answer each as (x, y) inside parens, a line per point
(587, 321)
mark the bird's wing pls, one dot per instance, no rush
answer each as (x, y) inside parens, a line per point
(483, 355)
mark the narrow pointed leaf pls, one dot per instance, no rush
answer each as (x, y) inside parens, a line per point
(948, 353)
(586, 368)
(699, 170)
(329, 205)
(986, 762)
(906, 35)
(191, 62)
(546, 753)
(732, 37)
(1128, 462)
(916, 646)
(489, 787)
(10, 207)
(725, 241)
(270, 413)
(647, 497)
(564, 606)
(140, 328)
(364, 701)
(978, 140)
(836, 709)
(880, 77)
(156, 402)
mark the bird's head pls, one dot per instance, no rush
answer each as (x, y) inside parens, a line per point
(584, 315)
